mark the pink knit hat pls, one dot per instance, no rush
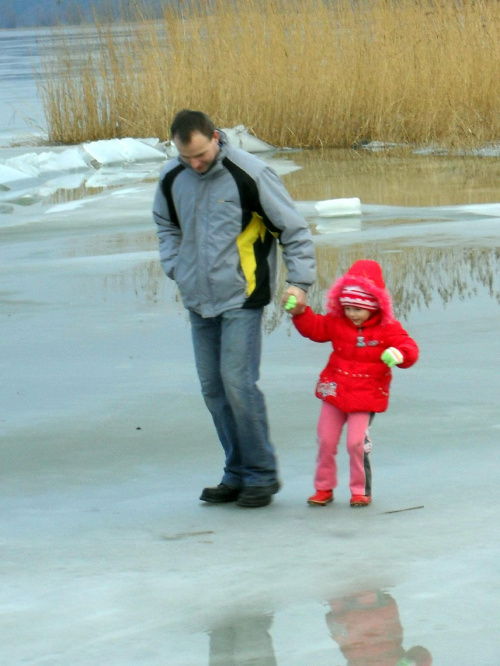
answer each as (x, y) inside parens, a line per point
(355, 296)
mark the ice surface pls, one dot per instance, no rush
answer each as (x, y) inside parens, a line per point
(338, 224)
(37, 164)
(107, 552)
(11, 177)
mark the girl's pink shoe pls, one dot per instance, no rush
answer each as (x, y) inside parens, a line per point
(321, 497)
(360, 500)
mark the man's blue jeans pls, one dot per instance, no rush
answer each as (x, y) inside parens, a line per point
(227, 351)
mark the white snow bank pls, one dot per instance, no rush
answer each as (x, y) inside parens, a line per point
(338, 207)
(37, 164)
(117, 151)
(105, 160)
(241, 138)
(10, 177)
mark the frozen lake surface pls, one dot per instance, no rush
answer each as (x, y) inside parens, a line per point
(107, 553)
(109, 558)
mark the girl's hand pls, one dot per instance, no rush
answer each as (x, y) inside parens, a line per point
(294, 300)
(392, 357)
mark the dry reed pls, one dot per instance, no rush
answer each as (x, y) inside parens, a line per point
(298, 73)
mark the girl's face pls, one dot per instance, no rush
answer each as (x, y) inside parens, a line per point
(358, 316)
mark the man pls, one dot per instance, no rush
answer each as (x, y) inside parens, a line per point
(220, 212)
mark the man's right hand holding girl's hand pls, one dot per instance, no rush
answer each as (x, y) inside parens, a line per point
(294, 300)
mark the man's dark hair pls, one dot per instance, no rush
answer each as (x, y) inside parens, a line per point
(187, 122)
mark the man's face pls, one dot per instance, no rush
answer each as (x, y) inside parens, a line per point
(200, 152)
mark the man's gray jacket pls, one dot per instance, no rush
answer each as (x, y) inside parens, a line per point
(218, 232)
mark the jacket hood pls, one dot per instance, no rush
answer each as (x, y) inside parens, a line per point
(366, 274)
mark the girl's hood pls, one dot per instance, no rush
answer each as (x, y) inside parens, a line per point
(366, 274)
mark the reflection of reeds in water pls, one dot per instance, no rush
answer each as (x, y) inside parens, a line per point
(393, 178)
(144, 283)
(415, 277)
(297, 72)
(67, 194)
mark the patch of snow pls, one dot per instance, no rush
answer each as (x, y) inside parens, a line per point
(338, 207)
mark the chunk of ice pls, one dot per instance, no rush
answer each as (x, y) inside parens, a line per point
(338, 207)
(114, 151)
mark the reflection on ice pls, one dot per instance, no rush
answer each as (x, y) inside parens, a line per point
(338, 225)
(435, 213)
(416, 276)
(490, 150)
(366, 628)
(244, 642)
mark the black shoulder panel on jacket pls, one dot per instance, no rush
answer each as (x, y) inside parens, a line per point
(249, 194)
(166, 187)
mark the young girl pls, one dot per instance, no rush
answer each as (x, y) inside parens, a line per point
(367, 342)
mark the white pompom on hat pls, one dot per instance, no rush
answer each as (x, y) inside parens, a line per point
(355, 296)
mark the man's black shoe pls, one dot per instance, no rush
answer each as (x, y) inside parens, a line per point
(255, 496)
(220, 494)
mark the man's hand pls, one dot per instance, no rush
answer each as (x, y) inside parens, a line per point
(392, 357)
(300, 300)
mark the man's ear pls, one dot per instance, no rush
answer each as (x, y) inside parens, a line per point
(216, 135)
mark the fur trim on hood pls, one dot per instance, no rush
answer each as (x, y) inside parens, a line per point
(366, 274)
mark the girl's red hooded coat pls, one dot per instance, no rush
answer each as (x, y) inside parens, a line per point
(355, 379)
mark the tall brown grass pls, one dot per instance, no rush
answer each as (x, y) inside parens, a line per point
(296, 72)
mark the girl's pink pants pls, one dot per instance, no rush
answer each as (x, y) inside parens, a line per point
(330, 424)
